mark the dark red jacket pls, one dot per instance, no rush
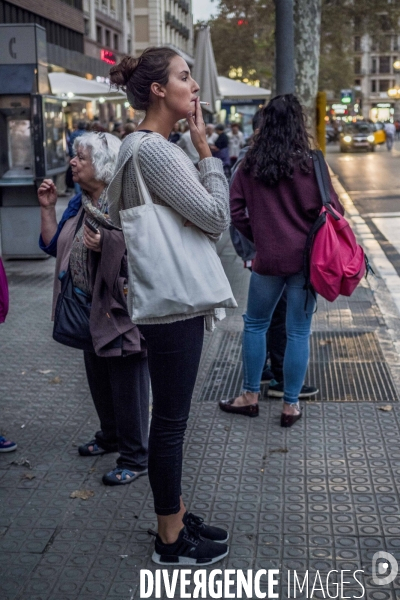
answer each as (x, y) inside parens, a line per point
(277, 218)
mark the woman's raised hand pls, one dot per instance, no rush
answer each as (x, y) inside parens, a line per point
(198, 131)
(47, 194)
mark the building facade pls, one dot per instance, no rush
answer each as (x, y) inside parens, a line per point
(85, 37)
(374, 74)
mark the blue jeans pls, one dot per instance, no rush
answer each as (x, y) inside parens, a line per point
(264, 294)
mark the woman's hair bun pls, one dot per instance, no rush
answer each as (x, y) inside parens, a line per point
(121, 73)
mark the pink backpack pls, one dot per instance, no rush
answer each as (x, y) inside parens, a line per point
(333, 261)
(3, 293)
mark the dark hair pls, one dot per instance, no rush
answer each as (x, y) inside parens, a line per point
(281, 143)
(257, 118)
(219, 127)
(137, 74)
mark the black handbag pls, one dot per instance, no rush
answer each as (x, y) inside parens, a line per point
(72, 314)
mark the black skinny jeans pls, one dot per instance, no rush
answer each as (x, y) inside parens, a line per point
(276, 337)
(120, 391)
(174, 352)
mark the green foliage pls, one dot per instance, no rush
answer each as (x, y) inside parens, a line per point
(342, 20)
(243, 40)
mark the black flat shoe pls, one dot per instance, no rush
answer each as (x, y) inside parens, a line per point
(251, 410)
(289, 420)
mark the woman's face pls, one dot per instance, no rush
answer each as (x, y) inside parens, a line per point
(181, 89)
(83, 169)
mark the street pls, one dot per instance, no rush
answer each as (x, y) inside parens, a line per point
(372, 180)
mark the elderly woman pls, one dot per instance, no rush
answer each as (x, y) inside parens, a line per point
(87, 241)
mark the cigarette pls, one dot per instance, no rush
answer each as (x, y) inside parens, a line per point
(205, 103)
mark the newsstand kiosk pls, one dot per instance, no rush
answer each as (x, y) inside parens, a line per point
(32, 138)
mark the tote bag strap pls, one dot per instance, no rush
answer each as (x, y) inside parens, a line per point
(144, 194)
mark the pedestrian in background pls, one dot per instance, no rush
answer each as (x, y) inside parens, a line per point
(160, 83)
(274, 204)
(175, 134)
(185, 142)
(390, 130)
(220, 149)
(211, 135)
(5, 445)
(272, 372)
(116, 369)
(128, 129)
(236, 142)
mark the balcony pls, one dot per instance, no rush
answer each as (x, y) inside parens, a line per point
(172, 21)
(183, 5)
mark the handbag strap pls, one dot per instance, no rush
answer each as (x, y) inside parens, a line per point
(144, 194)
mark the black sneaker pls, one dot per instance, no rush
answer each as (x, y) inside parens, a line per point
(275, 390)
(215, 534)
(267, 375)
(189, 549)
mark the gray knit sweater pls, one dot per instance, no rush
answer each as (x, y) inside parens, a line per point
(201, 197)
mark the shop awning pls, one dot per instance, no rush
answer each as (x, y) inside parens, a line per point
(71, 86)
(236, 90)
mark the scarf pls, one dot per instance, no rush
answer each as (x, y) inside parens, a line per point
(78, 263)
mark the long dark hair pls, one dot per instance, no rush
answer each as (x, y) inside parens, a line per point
(137, 74)
(281, 143)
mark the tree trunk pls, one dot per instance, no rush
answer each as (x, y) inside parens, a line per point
(307, 19)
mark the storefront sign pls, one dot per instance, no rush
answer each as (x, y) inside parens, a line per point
(108, 56)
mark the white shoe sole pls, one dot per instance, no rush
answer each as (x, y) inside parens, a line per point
(177, 561)
(9, 449)
(274, 394)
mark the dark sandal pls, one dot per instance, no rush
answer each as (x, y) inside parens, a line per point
(97, 450)
(126, 476)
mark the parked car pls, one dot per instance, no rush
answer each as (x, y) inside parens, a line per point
(358, 136)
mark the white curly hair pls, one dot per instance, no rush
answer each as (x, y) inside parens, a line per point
(103, 149)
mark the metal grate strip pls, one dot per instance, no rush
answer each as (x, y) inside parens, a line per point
(345, 366)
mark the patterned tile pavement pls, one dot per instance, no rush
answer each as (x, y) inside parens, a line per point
(323, 495)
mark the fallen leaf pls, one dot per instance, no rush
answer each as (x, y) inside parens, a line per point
(45, 372)
(325, 342)
(386, 408)
(56, 379)
(82, 494)
(22, 462)
(28, 476)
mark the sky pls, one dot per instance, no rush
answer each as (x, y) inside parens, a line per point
(203, 9)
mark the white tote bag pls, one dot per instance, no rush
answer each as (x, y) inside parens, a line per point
(172, 269)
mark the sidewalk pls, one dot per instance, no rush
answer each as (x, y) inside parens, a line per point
(322, 495)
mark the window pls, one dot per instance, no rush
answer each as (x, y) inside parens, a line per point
(108, 40)
(115, 41)
(129, 46)
(384, 64)
(86, 23)
(99, 37)
(142, 4)
(357, 43)
(357, 66)
(373, 85)
(357, 82)
(384, 85)
(373, 66)
(142, 28)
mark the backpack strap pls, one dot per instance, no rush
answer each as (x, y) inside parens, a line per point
(322, 175)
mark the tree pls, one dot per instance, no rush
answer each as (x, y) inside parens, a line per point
(307, 18)
(342, 20)
(243, 40)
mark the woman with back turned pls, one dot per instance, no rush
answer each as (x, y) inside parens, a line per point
(275, 200)
(160, 83)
